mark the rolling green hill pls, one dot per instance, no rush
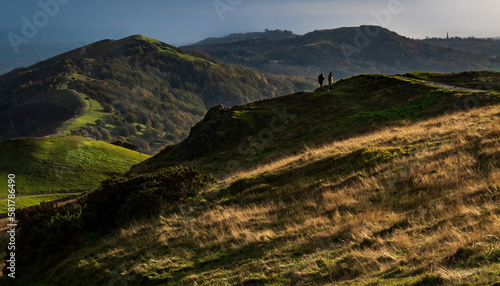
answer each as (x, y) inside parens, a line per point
(61, 165)
(135, 89)
(385, 180)
(347, 51)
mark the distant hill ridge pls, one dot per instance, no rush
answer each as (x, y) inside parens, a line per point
(490, 47)
(273, 35)
(346, 51)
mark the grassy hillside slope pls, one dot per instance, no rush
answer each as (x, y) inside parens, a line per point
(270, 129)
(409, 195)
(62, 164)
(409, 205)
(484, 80)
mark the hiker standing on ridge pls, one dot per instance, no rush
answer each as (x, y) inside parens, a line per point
(321, 78)
(330, 80)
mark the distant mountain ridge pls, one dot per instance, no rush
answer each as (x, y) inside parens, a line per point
(490, 47)
(135, 89)
(346, 51)
(273, 35)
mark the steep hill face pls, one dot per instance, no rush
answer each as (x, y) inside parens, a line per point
(262, 131)
(346, 52)
(402, 189)
(135, 89)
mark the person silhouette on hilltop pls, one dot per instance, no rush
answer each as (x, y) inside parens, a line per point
(330, 80)
(321, 78)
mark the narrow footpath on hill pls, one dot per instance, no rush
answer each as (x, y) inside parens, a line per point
(79, 112)
(447, 86)
(41, 195)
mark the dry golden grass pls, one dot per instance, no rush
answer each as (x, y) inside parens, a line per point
(452, 126)
(433, 212)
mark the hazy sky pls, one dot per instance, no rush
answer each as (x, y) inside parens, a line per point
(179, 22)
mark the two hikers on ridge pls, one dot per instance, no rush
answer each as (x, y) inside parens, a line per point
(321, 78)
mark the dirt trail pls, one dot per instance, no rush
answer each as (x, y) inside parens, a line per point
(447, 86)
(41, 195)
(80, 111)
(453, 87)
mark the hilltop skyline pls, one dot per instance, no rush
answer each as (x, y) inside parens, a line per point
(180, 23)
(32, 31)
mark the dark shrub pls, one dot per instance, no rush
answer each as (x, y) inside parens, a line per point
(47, 233)
(44, 233)
(122, 199)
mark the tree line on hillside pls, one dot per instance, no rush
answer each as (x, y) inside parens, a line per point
(151, 97)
